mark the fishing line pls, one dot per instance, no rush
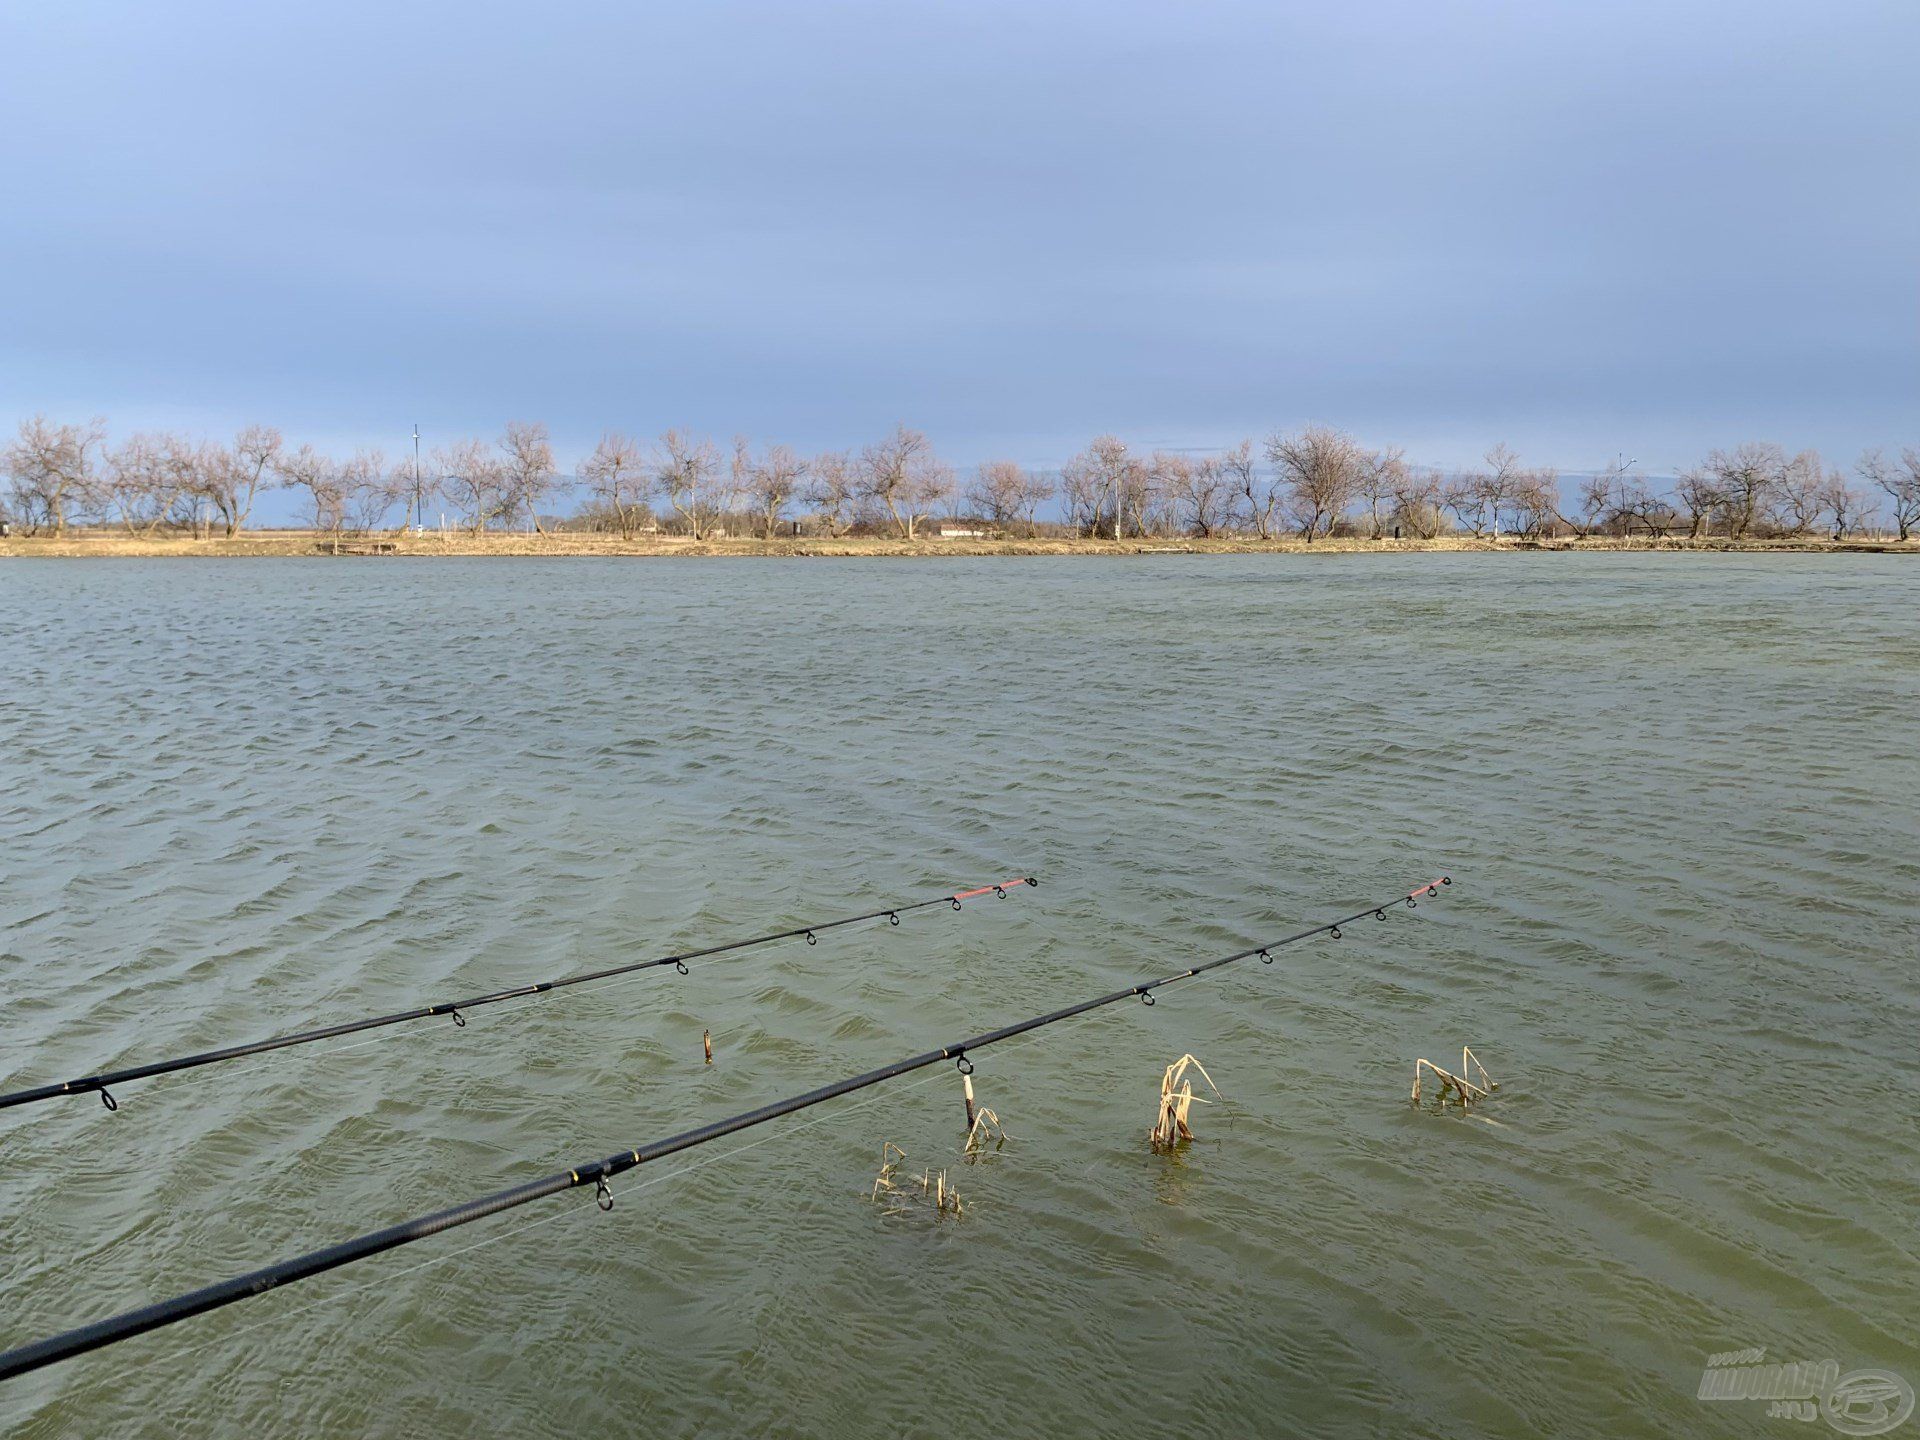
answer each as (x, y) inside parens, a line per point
(574, 1214)
(416, 1035)
(454, 1008)
(350, 1046)
(597, 1173)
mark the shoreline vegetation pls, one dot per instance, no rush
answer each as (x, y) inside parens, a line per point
(1315, 488)
(319, 544)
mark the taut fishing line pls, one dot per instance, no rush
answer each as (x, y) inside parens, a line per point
(597, 1173)
(348, 1292)
(454, 1009)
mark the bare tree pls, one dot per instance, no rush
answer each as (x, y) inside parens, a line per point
(1600, 499)
(1849, 506)
(54, 472)
(1035, 490)
(999, 492)
(1383, 474)
(616, 474)
(1262, 496)
(528, 464)
(142, 482)
(1212, 499)
(1500, 484)
(1416, 503)
(1200, 491)
(903, 474)
(1096, 483)
(473, 479)
(1699, 494)
(369, 491)
(1597, 501)
(831, 490)
(1320, 468)
(195, 473)
(1535, 500)
(1799, 495)
(1634, 499)
(1169, 478)
(323, 489)
(1900, 482)
(233, 477)
(685, 475)
(1470, 499)
(1082, 493)
(770, 482)
(1144, 508)
(1747, 479)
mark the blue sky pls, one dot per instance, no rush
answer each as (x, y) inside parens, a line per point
(1655, 228)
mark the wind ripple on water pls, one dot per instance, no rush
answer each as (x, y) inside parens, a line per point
(239, 798)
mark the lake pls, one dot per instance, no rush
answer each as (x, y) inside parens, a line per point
(1676, 793)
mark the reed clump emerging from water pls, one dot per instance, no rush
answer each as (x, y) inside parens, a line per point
(901, 1196)
(1177, 1100)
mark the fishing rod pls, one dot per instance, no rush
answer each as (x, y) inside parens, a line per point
(596, 1173)
(456, 1008)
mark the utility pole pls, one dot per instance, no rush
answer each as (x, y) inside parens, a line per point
(419, 508)
(1620, 467)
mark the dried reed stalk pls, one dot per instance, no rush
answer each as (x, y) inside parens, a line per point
(986, 1126)
(941, 1197)
(1177, 1101)
(1459, 1085)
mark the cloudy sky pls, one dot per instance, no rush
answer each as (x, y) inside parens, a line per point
(1580, 228)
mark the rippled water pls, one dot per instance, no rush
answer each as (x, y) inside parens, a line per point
(1676, 792)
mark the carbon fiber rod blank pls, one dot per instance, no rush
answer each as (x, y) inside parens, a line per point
(596, 1173)
(454, 1008)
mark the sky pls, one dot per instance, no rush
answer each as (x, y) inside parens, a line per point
(1581, 229)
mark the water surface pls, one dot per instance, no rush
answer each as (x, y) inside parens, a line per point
(1676, 792)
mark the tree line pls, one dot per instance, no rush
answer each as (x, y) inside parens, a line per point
(1311, 483)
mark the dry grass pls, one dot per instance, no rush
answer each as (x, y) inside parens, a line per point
(1177, 1100)
(312, 544)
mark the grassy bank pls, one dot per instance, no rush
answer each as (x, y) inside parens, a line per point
(310, 544)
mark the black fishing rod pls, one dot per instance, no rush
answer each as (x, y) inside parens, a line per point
(596, 1173)
(455, 1008)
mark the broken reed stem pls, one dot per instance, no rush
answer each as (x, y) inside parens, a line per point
(934, 1190)
(982, 1124)
(986, 1126)
(1459, 1085)
(1177, 1100)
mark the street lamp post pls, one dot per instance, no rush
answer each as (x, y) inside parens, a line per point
(1620, 467)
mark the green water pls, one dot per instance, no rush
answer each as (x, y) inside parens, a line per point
(1677, 794)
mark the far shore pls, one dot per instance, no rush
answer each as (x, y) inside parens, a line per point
(309, 544)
